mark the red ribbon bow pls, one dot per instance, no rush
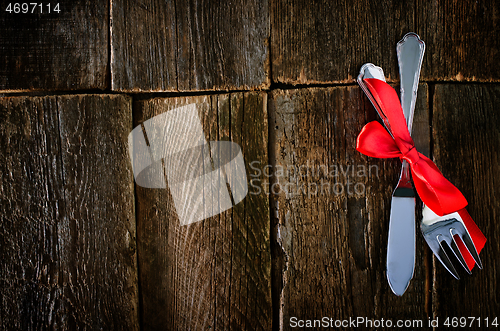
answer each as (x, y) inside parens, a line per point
(433, 188)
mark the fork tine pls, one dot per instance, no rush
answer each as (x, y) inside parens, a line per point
(467, 240)
(454, 247)
(444, 259)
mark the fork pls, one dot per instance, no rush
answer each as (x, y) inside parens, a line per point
(438, 229)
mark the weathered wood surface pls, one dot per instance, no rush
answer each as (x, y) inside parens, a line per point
(67, 234)
(56, 51)
(330, 246)
(466, 148)
(461, 39)
(68, 256)
(184, 46)
(189, 45)
(216, 273)
(327, 42)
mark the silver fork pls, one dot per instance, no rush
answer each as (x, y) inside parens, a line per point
(438, 229)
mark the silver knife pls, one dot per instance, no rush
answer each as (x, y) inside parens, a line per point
(401, 240)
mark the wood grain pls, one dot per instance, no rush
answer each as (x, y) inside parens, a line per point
(189, 45)
(213, 274)
(467, 143)
(331, 245)
(328, 41)
(461, 40)
(68, 257)
(56, 51)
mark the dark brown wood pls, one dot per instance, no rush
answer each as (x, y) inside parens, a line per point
(68, 257)
(421, 135)
(213, 274)
(189, 45)
(466, 148)
(421, 132)
(331, 246)
(328, 41)
(56, 51)
(461, 38)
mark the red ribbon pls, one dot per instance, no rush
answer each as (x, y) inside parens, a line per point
(435, 191)
(476, 235)
(441, 196)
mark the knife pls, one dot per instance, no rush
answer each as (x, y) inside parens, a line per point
(401, 239)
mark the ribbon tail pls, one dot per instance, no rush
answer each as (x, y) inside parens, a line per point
(476, 235)
(439, 194)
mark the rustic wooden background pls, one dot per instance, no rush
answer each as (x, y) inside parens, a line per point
(82, 247)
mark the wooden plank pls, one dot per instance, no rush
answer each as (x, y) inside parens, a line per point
(212, 274)
(30, 162)
(68, 257)
(462, 40)
(467, 144)
(64, 51)
(331, 223)
(327, 41)
(189, 45)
